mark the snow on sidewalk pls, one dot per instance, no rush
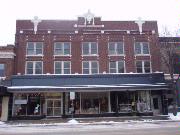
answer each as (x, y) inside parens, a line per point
(172, 117)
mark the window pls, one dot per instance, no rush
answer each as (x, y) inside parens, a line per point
(116, 48)
(62, 48)
(90, 67)
(89, 48)
(2, 70)
(116, 67)
(143, 67)
(33, 67)
(141, 48)
(62, 67)
(34, 48)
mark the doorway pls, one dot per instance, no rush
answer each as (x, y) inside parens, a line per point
(157, 104)
(54, 107)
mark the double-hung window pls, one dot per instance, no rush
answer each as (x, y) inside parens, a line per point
(90, 67)
(34, 48)
(143, 67)
(34, 67)
(89, 48)
(62, 48)
(141, 48)
(62, 67)
(116, 48)
(116, 67)
(2, 70)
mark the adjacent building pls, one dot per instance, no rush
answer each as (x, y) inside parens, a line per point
(170, 62)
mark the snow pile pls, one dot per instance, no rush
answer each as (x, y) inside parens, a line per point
(1, 123)
(172, 117)
(73, 121)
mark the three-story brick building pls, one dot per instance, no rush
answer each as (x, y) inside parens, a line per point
(112, 67)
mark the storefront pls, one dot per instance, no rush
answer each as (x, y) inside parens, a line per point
(37, 104)
(95, 95)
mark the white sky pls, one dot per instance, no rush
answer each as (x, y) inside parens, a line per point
(166, 12)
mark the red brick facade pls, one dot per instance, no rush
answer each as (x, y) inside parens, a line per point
(75, 32)
(7, 58)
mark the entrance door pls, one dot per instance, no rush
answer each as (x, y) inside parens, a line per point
(157, 105)
(54, 107)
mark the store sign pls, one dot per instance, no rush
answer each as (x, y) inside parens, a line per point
(72, 95)
(20, 101)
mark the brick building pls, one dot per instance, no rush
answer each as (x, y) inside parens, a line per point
(6, 71)
(111, 68)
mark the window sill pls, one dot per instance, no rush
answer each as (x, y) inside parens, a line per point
(62, 55)
(142, 55)
(116, 55)
(90, 55)
(34, 55)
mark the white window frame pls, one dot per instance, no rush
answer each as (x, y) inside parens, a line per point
(34, 49)
(62, 43)
(117, 66)
(34, 70)
(62, 67)
(90, 66)
(89, 46)
(143, 69)
(116, 53)
(141, 44)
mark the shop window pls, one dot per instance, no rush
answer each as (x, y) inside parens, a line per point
(2, 70)
(89, 48)
(116, 48)
(25, 105)
(35, 48)
(91, 103)
(62, 48)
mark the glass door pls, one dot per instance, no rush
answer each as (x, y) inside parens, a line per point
(54, 107)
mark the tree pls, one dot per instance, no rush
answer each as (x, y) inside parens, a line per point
(169, 57)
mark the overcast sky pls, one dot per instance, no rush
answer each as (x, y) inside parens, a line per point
(166, 12)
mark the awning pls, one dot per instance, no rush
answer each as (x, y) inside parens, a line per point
(88, 88)
(3, 91)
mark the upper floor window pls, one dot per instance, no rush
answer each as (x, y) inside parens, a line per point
(90, 67)
(143, 67)
(62, 48)
(116, 48)
(116, 67)
(34, 67)
(34, 48)
(2, 70)
(62, 67)
(141, 48)
(89, 48)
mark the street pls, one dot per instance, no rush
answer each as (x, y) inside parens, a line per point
(104, 128)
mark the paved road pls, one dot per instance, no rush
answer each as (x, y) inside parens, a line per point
(155, 128)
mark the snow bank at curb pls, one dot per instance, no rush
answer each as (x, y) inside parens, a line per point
(1, 123)
(73, 121)
(172, 117)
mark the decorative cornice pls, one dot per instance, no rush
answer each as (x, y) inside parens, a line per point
(7, 55)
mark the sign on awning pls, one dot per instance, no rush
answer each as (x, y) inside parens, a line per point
(20, 102)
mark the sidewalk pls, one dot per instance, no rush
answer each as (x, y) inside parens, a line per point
(92, 119)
